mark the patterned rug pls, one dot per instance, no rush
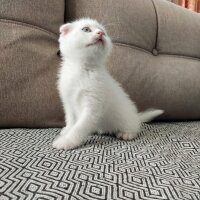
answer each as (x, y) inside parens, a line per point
(163, 162)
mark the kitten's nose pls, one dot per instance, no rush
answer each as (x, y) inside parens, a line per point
(100, 34)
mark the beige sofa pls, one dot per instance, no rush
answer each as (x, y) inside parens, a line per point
(156, 57)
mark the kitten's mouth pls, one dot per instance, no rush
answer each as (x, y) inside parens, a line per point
(99, 41)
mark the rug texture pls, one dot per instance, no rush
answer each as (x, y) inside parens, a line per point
(162, 163)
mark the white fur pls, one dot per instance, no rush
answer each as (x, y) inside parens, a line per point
(93, 101)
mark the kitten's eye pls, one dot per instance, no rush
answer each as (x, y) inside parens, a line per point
(86, 29)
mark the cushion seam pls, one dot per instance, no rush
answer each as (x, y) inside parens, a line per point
(157, 25)
(160, 53)
(180, 56)
(132, 47)
(28, 25)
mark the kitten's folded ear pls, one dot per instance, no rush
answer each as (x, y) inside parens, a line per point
(65, 28)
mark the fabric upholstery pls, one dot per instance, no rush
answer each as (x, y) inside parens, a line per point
(29, 63)
(178, 30)
(125, 21)
(163, 81)
(161, 163)
(47, 14)
(155, 57)
(156, 54)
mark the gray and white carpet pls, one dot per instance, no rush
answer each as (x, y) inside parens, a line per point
(163, 162)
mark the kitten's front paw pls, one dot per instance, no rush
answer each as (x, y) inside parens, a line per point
(64, 142)
(125, 136)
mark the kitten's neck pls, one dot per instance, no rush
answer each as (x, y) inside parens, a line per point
(83, 64)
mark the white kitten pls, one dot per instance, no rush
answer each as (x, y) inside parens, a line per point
(93, 101)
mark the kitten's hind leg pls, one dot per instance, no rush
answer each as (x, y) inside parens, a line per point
(129, 131)
(126, 135)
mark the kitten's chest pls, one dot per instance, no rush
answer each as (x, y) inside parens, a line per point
(76, 85)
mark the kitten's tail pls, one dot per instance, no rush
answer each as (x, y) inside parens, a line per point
(150, 114)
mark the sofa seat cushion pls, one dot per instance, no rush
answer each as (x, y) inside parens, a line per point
(163, 162)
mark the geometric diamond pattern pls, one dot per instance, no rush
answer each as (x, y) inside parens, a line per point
(162, 163)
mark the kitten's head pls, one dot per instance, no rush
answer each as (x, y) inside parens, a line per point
(85, 39)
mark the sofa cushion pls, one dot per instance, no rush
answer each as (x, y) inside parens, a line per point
(159, 81)
(156, 54)
(179, 30)
(45, 14)
(127, 22)
(29, 63)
